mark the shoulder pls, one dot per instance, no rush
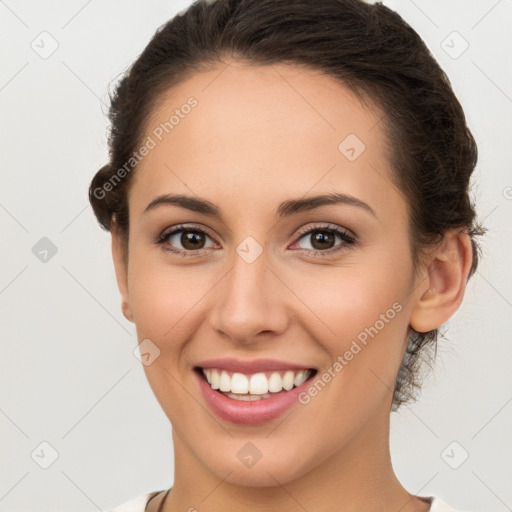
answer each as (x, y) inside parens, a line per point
(439, 505)
(137, 504)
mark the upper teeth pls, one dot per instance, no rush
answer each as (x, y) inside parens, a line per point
(257, 383)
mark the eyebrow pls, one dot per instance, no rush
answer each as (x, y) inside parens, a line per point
(285, 209)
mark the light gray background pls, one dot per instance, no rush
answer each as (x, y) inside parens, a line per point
(69, 375)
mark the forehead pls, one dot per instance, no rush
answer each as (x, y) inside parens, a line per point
(250, 104)
(282, 129)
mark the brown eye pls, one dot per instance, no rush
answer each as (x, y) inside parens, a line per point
(192, 240)
(323, 239)
(185, 240)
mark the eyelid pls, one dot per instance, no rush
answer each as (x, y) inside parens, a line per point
(328, 227)
(183, 227)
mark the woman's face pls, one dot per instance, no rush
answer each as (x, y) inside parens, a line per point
(251, 142)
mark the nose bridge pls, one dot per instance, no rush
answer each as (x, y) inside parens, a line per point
(247, 301)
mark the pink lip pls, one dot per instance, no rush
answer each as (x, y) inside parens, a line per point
(248, 413)
(250, 367)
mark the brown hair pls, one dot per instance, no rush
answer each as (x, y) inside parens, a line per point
(368, 48)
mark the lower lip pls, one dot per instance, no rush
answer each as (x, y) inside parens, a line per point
(249, 413)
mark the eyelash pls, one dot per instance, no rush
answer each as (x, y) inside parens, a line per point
(348, 239)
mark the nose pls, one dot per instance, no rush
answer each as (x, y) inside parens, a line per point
(250, 301)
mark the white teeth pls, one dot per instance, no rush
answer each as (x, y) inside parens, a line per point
(254, 386)
(214, 379)
(258, 385)
(239, 384)
(300, 377)
(225, 381)
(245, 398)
(288, 380)
(275, 383)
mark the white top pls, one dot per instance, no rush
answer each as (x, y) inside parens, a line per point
(139, 503)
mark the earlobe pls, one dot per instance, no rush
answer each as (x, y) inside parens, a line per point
(442, 290)
(127, 312)
(120, 259)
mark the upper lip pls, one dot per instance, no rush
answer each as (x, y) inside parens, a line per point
(250, 367)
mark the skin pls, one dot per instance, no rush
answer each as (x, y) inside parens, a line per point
(260, 136)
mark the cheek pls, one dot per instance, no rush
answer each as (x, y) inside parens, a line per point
(361, 321)
(349, 300)
(166, 299)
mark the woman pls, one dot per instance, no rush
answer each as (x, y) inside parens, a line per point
(287, 194)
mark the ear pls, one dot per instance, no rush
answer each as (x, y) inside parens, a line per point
(441, 291)
(120, 258)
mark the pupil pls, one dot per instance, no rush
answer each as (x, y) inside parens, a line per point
(190, 237)
(323, 236)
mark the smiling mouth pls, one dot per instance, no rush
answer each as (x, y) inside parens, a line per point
(256, 386)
